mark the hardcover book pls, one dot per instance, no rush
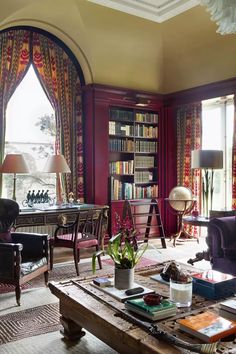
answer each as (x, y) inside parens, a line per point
(207, 326)
(229, 305)
(213, 284)
(120, 294)
(154, 313)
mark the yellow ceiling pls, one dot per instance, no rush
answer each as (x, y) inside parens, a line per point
(118, 49)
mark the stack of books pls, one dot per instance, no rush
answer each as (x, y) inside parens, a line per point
(227, 309)
(157, 312)
(208, 326)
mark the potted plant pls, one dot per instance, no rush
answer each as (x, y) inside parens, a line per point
(122, 249)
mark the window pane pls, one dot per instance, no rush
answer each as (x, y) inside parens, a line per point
(217, 134)
(28, 113)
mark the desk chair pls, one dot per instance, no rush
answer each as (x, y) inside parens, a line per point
(84, 232)
(23, 256)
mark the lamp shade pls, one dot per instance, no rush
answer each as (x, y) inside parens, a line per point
(14, 163)
(56, 164)
(212, 159)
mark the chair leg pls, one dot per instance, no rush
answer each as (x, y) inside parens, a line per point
(99, 259)
(18, 294)
(76, 260)
(51, 256)
(46, 274)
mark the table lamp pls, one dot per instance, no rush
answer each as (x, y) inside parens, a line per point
(208, 161)
(14, 163)
(57, 164)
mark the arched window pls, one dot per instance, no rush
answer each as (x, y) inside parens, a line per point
(31, 131)
(61, 78)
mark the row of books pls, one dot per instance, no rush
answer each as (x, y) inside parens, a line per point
(145, 146)
(144, 131)
(125, 115)
(119, 114)
(124, 190)
(121, 167)
(144, 161)
(126, 145)
(146, 117)
(117, 128)
(143, 176)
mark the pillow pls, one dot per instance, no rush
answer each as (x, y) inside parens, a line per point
(5, 237)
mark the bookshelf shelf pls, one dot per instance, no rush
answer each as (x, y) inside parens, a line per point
(134, 132)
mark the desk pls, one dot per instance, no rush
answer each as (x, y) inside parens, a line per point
(52, 216)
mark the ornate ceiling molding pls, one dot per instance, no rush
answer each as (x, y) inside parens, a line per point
(154, 10)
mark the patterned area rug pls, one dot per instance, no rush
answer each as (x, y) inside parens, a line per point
(144, 262)
(28, 323)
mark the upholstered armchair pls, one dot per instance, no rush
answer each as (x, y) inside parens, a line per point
(221, 241)
(23, 256)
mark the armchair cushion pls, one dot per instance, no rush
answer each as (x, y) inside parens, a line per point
(30, 267)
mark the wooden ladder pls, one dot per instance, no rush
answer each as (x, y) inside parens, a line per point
(153, 214)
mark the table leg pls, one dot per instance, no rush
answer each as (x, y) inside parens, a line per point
(71, 330)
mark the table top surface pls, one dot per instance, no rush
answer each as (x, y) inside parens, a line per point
(59, 208)
(196, 220)
(83, 303)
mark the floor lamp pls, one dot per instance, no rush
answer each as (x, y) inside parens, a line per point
(208, 161)
(14, 163)
(57, 164)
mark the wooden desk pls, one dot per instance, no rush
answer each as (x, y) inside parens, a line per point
(84, 306)
(51, 216)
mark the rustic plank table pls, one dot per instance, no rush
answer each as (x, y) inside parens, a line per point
(84, 306)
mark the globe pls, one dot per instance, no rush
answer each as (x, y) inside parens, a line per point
(181, 198)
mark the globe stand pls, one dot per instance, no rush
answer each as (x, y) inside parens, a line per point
(180, 214)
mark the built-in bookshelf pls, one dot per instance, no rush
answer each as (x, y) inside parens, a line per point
(133, 154)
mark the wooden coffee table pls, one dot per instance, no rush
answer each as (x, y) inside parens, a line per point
(84, 306)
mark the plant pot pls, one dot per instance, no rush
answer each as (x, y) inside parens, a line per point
(124, 278)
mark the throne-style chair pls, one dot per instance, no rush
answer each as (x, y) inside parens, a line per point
(23, 256)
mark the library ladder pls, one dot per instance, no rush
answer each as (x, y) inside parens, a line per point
(134, 210)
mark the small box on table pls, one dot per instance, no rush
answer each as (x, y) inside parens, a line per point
(214, 285)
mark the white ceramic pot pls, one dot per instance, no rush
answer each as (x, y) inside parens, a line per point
(124, 278)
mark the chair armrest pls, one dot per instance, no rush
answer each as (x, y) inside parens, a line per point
(10, 260)
(34, 245)
(221, 234)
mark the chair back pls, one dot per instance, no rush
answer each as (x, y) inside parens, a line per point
(9, 210)
(88, 225)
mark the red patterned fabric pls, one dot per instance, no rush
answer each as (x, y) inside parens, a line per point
(14, 60)
(66, 241)
(188, 139)
(234, 161)
(60, 80)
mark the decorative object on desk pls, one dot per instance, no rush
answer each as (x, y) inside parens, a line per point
(153, 299)
(163, 309)
(124, 256)
(57, 164)
(207, 326)
(169, 270)
(14, 163)
(208, 161)
(213, 284)
(41, 197)
(71, 197)
(181, 202)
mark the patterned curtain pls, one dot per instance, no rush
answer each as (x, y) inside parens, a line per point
(234, 160)
(61, 83)
(188, 139)
(14, 61)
